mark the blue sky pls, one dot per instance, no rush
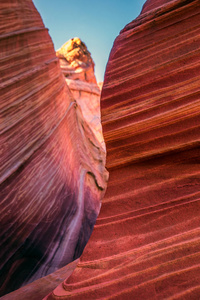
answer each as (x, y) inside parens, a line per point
(97, 23)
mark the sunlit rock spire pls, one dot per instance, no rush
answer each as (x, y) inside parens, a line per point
(78, 68)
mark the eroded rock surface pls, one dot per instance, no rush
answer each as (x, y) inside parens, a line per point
(146, 242)
(76, 61)
(78, 68)
(53, 173)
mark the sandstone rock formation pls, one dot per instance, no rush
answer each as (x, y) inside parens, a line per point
(76, 61)
(146, 242)
(100, 85)
(78, 68)
(52, 166)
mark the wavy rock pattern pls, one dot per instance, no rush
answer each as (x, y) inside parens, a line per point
(78, 68)
(39, 288)
(52, 166)
(146, 242)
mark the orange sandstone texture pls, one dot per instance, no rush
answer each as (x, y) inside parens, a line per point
(146, 242)
(76, 61)
(52, 167)
(78, 68)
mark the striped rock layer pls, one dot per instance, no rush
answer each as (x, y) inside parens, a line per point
(78, 69)
(52, 167)
(146, 242)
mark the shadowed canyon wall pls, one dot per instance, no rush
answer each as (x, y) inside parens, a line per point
(146, 242)
(53, 173)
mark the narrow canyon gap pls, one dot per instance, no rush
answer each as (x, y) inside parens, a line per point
(146, 242)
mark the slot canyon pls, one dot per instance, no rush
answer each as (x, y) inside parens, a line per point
(100, 190)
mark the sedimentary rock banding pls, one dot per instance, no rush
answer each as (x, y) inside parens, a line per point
(143, 244)
(52, 171)
(168, 67)
(146, 242)
(78, 68)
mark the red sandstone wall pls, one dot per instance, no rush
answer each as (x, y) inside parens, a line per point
(146, 242)
(52, 174)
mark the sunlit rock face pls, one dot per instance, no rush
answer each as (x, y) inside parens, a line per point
(146, 242)
(100, 85)
(78, 68)
(76, 61)
(52, 166)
